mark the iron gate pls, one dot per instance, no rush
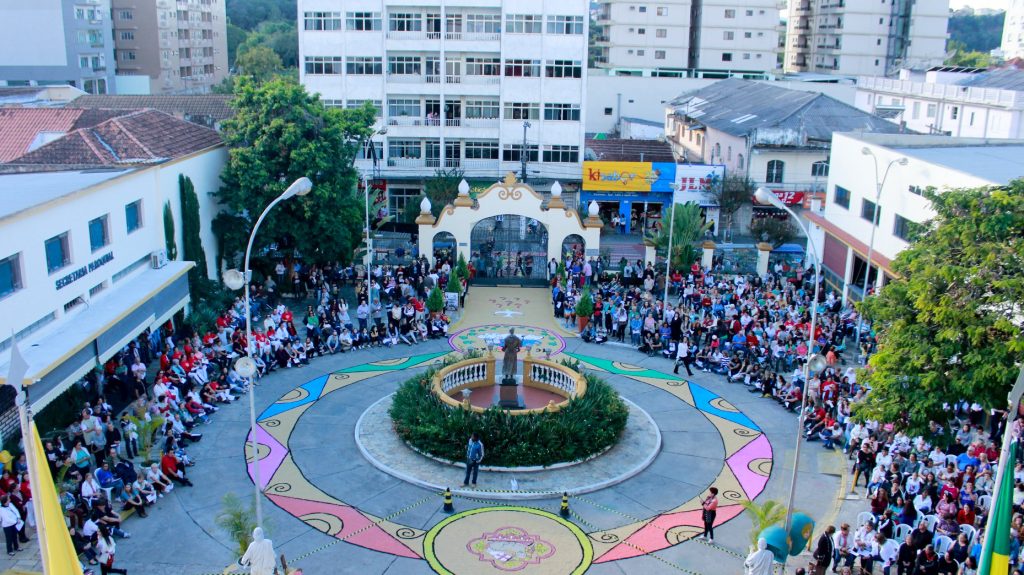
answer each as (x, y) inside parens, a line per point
(510, 249)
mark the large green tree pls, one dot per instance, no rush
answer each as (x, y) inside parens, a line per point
(281, 37)
(280, 133)
(191, 242)
(689, 226)
(730, 193)
(950, 326)
(259, 63)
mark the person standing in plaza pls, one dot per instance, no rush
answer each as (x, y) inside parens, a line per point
(709, 509)
(474, 454)
(824, 550)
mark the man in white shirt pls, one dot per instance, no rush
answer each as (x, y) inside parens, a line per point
(9, 519)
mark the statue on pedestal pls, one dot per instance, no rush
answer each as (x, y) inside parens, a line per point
(511, 345)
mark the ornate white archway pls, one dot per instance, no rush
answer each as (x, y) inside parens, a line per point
(509, 197)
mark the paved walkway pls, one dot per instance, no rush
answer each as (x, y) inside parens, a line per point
(633, 527)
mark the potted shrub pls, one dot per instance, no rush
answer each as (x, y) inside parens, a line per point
(453, 285)
(435, 301)
(584, 309)
(146, 431)
(237, 520)
(462, 268)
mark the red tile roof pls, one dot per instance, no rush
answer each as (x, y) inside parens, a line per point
(20, 126)
(140, 137)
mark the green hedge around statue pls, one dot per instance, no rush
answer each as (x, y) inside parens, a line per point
(584, 427)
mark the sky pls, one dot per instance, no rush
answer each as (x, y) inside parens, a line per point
(957, 4)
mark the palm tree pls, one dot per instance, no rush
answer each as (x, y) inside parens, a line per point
(763, 516)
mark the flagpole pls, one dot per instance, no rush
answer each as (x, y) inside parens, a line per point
(25, 413)
(1013, 399)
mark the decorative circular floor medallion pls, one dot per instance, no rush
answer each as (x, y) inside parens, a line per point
(478, 338)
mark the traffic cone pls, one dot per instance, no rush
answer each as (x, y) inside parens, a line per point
(564, 511)
(448, 506)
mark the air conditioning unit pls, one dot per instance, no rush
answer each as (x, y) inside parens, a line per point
(158, 259)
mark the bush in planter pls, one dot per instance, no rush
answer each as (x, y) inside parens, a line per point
(584, 308)
(462, 268)
(435, 301)
(238, 521)
(584, 427)
(453, 283)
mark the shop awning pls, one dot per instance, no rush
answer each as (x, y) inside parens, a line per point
(66, 349)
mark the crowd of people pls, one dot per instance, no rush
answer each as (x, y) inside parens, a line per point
(927, 496)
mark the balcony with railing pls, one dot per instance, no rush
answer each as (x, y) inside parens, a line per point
(472, 36)
(479, 79)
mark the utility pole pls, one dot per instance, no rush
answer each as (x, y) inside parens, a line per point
(523, 153)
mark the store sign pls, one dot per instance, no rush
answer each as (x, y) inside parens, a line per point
(789, 198)
(83, 271)
(649, 176)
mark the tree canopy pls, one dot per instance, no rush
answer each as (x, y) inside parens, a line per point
(688, 227)
(950, 327)
(280, 133)
(976, 32)
(258, 62)
(731, 193)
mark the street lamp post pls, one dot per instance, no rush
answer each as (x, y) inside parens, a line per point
(668, 256)
(522, 153)
(879, 184)
(814, 361)
(245, 366)
(369, 244)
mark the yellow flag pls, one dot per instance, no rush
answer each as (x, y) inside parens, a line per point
(59, 557)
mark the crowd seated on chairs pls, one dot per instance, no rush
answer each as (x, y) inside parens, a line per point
(928, 497)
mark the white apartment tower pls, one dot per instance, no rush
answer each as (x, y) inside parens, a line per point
(865, 37)
(459, 86)
(692, 38)
(1013, 31)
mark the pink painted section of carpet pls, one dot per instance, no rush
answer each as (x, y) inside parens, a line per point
(270, 463)
(651, 537)
(352, 521)
(753, 483)
(532, 397)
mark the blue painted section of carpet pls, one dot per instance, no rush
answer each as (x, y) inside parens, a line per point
(702, 399)
(313, 388)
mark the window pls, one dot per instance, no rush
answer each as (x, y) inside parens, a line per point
(483, 23)
(869, 211)
(522, 111)
(641, 31)
(405, 22)
(483, 66)
(362, 21)
(523, 23)
(58, 252)
(322, 20)
(915, 110)
(643, 9)
(819, 169)
(319, 65)
(932, 110)
(126, 15)
(659, 54)
(728, 35)
(481, 109)
(481, 150)
(403, 107)
(128, 35)
(522, 68)
(730, 13)
(561, 154)
(916, 190)
(907, 230)
(774, 174)
(401, 200)
(333, 103)
(662, 11)
(727, 56)
(748, 35)
(661, 33)
(563, 69)
(607, 111)
(353, 104)
(750, 12)
(408, 149)
(739, 161)
(127, 55)
(364, 65)
(842, 197)
(404, 65)
(99, 237)
(10, 275)
(565, 24)
(562, 112)
(133, 215)
(514, 153)
(954, 112)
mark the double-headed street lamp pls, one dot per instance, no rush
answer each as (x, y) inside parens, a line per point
(879, 184)
(815, 362)
(245, 366)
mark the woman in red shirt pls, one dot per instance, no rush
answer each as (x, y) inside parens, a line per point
(708, 512)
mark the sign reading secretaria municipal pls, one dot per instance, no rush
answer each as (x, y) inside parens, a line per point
(649, 176)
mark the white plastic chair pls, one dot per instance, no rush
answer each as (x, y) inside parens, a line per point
(931, 521)
(985, 502)
(942, 544)
(970, 532)
(951, 460)
(901, 532)
(863, 517)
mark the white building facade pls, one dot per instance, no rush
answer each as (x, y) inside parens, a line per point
(83, 265)
(688, 38)
(456, 85)
(1013, 31)
(938, 104)
(842, 232)
(861, 38)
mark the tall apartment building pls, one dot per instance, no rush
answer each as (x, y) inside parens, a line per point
(54, 42)
(1013, 31)
(688, 38)
(458, 86)
(865, 38)
(180, 45)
